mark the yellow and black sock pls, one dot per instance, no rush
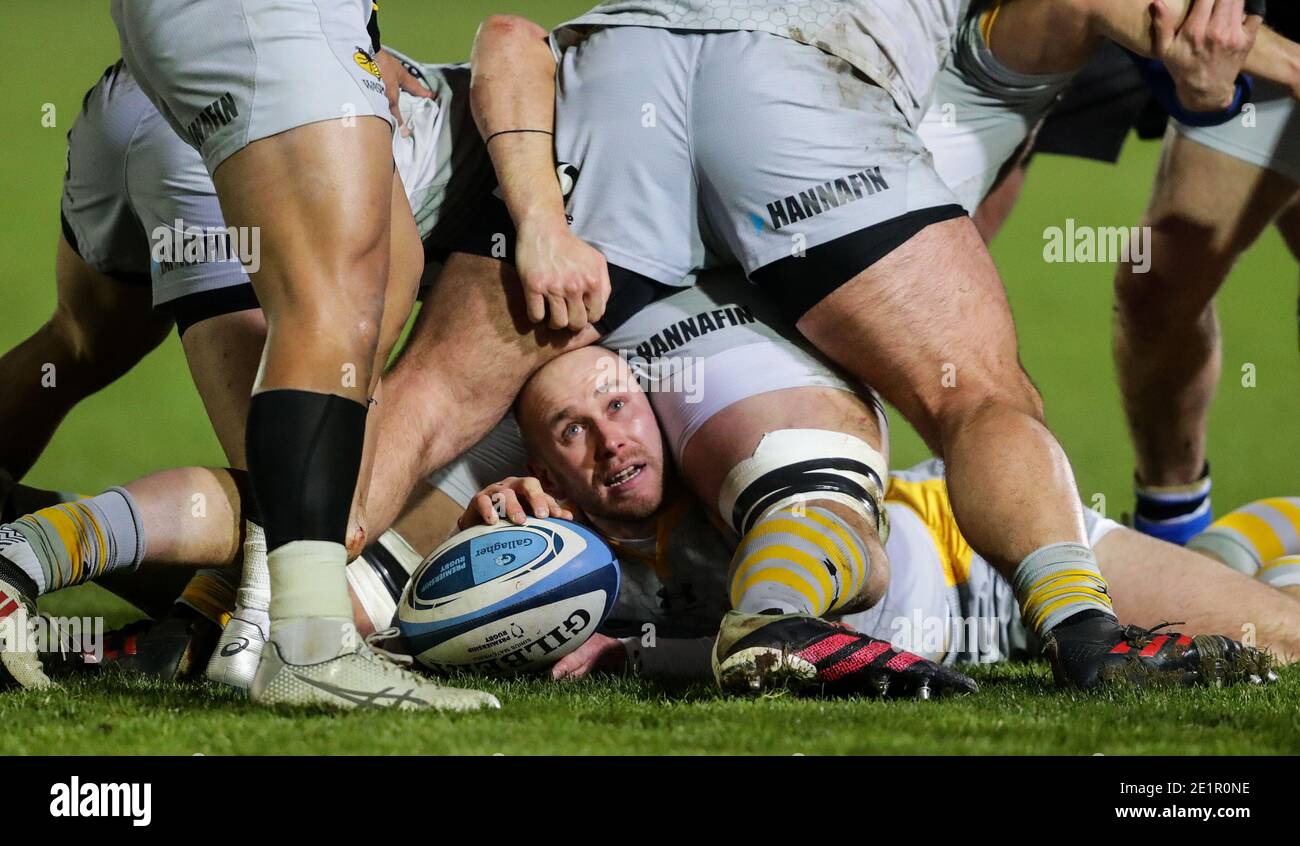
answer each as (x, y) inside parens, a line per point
(1058, 581)
(1253, 535)
(77, 542)
(799, 561)
(211, 592)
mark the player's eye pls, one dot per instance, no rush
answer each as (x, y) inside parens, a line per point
(571, 431)
(617, 404)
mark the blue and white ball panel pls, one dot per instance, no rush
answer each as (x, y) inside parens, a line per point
(508, 598)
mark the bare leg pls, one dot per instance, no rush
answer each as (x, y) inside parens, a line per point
(1001, 201)
(930, 328)
(223, 353)
(100, 329)
(471, 350)
(1289, 225)
(732, 435)
(1167, 345)
(324, 268)
(1155, 582)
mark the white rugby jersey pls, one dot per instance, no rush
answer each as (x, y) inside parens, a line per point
(899, 44)
(713, 344)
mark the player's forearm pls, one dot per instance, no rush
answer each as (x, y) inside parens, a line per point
(670, 657)
(512, 89)
(1276, 59)
(1202, 45)
(1128, 22)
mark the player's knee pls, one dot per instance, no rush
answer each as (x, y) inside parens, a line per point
(976, 394)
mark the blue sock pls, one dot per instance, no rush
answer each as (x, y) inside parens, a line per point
(1175, 514)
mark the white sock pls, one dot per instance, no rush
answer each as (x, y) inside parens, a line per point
(253, 599)
(15, 547)
(311, 612)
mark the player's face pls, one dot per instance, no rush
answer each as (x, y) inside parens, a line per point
(594, 431)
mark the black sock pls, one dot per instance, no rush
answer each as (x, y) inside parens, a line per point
(304, 455)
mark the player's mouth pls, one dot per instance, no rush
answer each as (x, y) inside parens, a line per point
(625, 478)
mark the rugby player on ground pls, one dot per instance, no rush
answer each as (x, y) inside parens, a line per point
(673, 558)
(852, 244)
(108, 534)
(628, 475)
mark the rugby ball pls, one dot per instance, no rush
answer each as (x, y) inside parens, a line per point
(505, 599)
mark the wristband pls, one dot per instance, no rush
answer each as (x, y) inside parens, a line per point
(1166, 93)
(514, 131)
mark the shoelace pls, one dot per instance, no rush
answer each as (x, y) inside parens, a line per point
(1137, 633)
(399, 662)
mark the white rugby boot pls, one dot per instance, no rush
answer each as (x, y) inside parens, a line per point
(20, 659)
(360, 675)
(235, 659)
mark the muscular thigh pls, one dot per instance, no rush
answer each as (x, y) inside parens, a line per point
(1194, 243)
(111, 322)
(320, 197)
(470, 351)
(928, 326)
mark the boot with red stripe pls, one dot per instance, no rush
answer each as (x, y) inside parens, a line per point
(20, 659)
(1093, 649)
(755, 653)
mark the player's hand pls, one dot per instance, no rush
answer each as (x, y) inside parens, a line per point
(398, 78)
(512, 498)
(1205, 52)
(600, 654)
(563, 276)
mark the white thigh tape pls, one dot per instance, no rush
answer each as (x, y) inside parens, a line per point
(402, 551)
(792, 465)
(372, 593)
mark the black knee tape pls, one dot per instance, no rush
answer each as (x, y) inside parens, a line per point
(304, 456)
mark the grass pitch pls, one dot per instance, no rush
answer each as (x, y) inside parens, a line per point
(1017, 711)
(153, 419)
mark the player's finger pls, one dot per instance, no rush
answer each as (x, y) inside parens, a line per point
(1163, 28)
(509, 502)
(536, 305)
(1198, 18)
(559, 311)
(538, 501)
(577, 312)
(571, 666)
(483, 509)
(1227, 16)
(1253, 24)
(598, 299)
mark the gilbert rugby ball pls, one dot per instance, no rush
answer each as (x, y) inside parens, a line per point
(507, 598)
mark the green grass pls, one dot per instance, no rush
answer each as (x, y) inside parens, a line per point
(153, 419)
(1017, 712)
